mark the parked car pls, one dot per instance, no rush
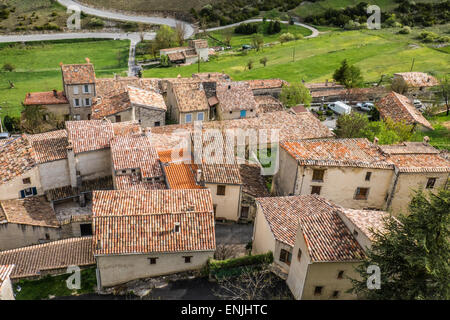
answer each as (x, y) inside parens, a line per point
(4, 135)
(365, 106)
(340, 108)
(246, 47)
(419, 105)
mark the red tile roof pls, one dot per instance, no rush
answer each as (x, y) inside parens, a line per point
(337, 152)
(266, 83)
(325, 234)
(181, 176)
(89, 135)
(268, 104)
(252, 181)
(400, 109)
(190, 97)
(78, 73)
(49, 146)
(136, 183)
(45, 98)
(109, 87)
(110, 105)
(368, 221)
(420, 162)
(148, 98)
(33, 211)
(16, 157)
(234, 96)
(417, 79)
(31, 261)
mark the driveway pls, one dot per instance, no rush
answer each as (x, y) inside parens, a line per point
(231, 233)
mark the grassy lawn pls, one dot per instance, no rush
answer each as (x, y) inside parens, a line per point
(376, 52)
(440, 136)
(239, 39)
(54, 286)
(147, 6)
(37, 66)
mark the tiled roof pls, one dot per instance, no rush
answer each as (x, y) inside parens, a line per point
(211, 75)
(60, 193)
(400, 109)
(417, 79)
(354, 94)
(420, 162)
(5, 272)
(337, 152)
(268, 104)
(325, 234)
(366, 220)
(174, 49)
(31, 261)
(49, 146)
(78, 73)
(110, 106)
(16, 157)
(108, 87)
(266, 83)
(135, 183)
(409, 148)
(106, 203)
(147, 98)
(181, 175)
(33, 211)
(126, 128)
(200, 43)
(323, 86)
(190, 97)
(235, 96)
(45, 98)
(89, 135)
(153, 233)
(175, 56)
(101, 183)
(252, 181)
(135, 152)
(221, 173)
(189, 53)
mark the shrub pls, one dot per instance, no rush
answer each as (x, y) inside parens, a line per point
(246, 28)
(405, 30)
(217, 265)
(96, 23)
(286, 37)
(8, 67)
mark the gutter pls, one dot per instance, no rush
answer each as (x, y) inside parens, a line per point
(391, 195)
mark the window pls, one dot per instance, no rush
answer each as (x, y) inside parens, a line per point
(315, 189)
(47, 236)
(340, 274)
(318, 290)
(118, 118)
(124, 171)
(177, 227)
(187, 259)
(430, 183)
(188, 118)
(152, 260)
(76, 102)
(244, 212)
(200, 116)
(76, 117)
(26, 181)
(368, 175)
(86, 88)
(243, 113)
(220, 190)
(335, 294)
(285, 256)
(355, 233)
(215, 209)
(75, 90)
(318, 175)
(89, 116)
(87, 102)
(86, 229)
(28, 192)
(157, 124)
(299, 254)
(361, 193)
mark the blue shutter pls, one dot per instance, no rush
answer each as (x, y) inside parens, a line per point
(243, 113)
(22, 193)
(34, 191)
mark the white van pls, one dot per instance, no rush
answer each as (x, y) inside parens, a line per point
(340, 108)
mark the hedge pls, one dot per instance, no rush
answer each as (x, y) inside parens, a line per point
(215, 266)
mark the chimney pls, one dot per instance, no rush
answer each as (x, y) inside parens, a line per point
(55, 93)
(229, 86)
(176, 227)
(88, 60)
(116, 76)
(426, 139)
(198, 176)
(200, 87)
(146, 132)
(326, 82)
(375, 141)
(29, 95)
(60, 64)
(99, 245)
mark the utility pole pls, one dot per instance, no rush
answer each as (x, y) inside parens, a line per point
(412, 65)
(198, 64)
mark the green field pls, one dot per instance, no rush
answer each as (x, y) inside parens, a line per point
(37, 66)
(147, 6)
(376, 52)
(440, 136)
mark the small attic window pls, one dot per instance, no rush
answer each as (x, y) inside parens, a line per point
(177, 227)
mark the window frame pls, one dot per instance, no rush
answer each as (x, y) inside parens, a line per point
(76, 105)
(186, 118)
(87, 102)
(221, 187)
(431, 182)
(76, 90)
(152, 260)
(318, 290)
(187, 259)
(198, 116)
(312, 189)
(88, 88)
(368, 176)
(358, 196)
(285, 256)
(26, 180)
(322, 171)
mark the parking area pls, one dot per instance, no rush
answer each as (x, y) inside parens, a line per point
(233, 233)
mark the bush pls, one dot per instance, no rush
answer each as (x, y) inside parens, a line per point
(428, 36)
(96, 23)
(286, 37)
(405, 30)
(217, 265)
(246, 28)
(8, 67)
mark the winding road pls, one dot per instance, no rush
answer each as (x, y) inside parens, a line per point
(134, 37)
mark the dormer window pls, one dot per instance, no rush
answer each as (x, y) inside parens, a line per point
(177, 227)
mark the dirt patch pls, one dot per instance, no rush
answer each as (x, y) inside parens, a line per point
(446, 124)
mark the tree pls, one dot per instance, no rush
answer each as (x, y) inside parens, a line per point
(165, 37)
(413, 252)
(180, 32)
(263, 61)
(12, 124)
(351, 125)
(286, 37)
(226, 251)
(348, 75)
(399, 86)
(8, 67)
(294, 94)
(444, 91)
(33, 119)
(257, 41)
(250, 64)
(227, 36)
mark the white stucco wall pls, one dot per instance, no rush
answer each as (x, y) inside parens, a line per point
(14, 235)
(122, 268)
(263, 239)
(228, 205)
(11, 189)
(54, 174)
(94, 164)
(6, 290)
(284, 180)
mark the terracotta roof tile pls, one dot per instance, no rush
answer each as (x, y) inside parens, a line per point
(417, 79)
(175, 56)
(110, 106)
(268, 104)
(16, 157)
(266, 83)
(420, 162)
(33, 211)
(136, 183)
(148, 98)
(367, 220)
(252, 181)
(49, 146)
(5, 272)
(181, 175)
(400, 109)
(78, 73)
(45, 98)
(199, 43)
(89, 135)
(190, 97)
(235, 96)
(109, 87)
(31, 261)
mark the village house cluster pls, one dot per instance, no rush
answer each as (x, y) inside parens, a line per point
(117, 189)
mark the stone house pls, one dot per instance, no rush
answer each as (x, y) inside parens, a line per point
(314, 243)
(6, 289)
(187, 102)
(177, 226)
(266, 87)
(135, 104)
(400, 108)
(236, 101)
(79, 88)
(415, 83)
(188, 55)
(54, 102)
